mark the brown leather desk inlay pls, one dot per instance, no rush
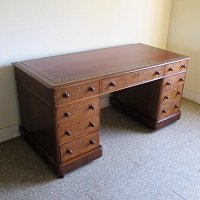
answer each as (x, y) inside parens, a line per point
(59, 97)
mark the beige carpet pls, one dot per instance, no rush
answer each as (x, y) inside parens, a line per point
(138, 164)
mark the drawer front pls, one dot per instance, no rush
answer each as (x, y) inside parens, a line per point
(78, 147)
(74, 92)
(176, 67)
(78, 110)
(133, 78)
(173, 81)
(169, 109)
(169, 95)
(77, 128)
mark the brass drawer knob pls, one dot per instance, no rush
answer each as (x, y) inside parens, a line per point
(136, 74)
(183, 66)
(181, 79)
(112, 83)
(68, 132)
(171, 69)
(176, 106)
(157, 72)
(169, 83)
(91, 89)
(92, 124)
(67, 114)
(69, 151)
(164, 111)
(66, 95)
(93, 142)
(166, 97)
(92, 107)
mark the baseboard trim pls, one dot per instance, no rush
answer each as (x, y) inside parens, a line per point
(104, 101)
(9, 133)
(193, 96)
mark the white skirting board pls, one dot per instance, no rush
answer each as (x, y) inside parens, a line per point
(104, 101)
(193, 96)
(9, 133)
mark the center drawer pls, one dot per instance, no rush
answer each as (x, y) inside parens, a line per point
(133, 78)
(78, 110)
(78, 147)
(77, 128)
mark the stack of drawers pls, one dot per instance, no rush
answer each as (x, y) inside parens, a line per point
(77, 119)
(171, 89)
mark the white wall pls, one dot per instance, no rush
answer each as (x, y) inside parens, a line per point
(35, 28)
(184, 37)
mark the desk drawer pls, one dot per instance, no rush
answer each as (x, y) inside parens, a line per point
(176, 67)
(69, 93)
(169, 109)
(78, 110)
(78, 147)
(133, 78)
(173, 81)
(77, 128)
(169, 95)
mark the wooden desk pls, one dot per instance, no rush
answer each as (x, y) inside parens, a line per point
(59, 97)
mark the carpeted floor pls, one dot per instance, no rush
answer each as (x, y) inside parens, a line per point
(137, 164)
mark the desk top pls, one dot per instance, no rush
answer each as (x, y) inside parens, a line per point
(70, 68)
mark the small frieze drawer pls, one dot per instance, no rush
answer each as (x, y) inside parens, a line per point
(176, 67)
(69, 93)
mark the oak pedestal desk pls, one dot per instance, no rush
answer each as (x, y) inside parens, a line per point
(59, 97)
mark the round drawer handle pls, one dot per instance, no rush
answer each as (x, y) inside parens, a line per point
(91, 89)
(92, 107)
(164, 111)
(136, 74)
(157, 72)
(179, 93)
(181, 79)
(176, 106)
(69, 151)
(183, 66)
(166, 97)
(93, 142)
(68, 132)
(66, 95)
(67, 114)
(169, 83)
(112, 83)
(92, 124)
(171, 69)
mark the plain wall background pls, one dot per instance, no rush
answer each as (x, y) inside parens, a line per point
(35, 28)
(184, 37)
